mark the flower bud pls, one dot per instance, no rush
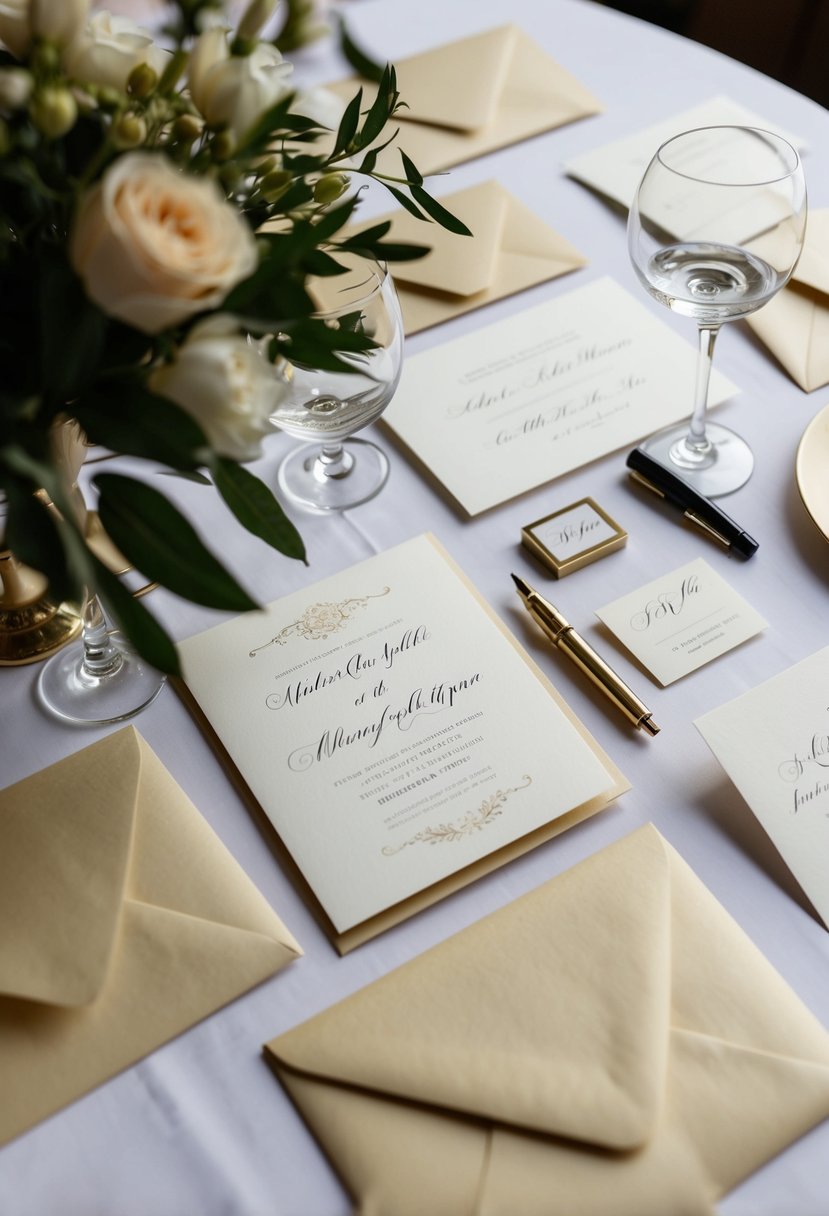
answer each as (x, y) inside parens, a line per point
(109, 99)
(58, 21)
(187, 128)
(15, 88)
(222, 146)
(330, 187)
(53, 111)
(256, 14)
(129, 131)
(142, 80)
(275, 183)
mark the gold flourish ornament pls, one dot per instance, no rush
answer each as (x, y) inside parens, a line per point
(319, 621)
(473, 821)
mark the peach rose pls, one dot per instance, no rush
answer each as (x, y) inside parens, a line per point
(154, 246)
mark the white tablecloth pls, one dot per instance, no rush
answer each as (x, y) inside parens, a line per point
(201, 1127)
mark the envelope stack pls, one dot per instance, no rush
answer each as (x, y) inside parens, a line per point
(611, 1044)
(124, 921)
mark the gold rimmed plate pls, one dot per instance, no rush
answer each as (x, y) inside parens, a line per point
(812, 470)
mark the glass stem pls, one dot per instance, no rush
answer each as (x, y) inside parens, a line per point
(100, 657)
(333, 461)
(696, 439)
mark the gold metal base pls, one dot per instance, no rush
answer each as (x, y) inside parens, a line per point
(28, 635)
(32, 626)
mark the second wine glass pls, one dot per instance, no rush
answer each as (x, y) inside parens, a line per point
(715, 230)
(335, 471)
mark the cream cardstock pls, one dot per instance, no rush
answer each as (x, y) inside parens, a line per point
(516, 404)
(616, 169)
(390, 729)
(571, 532)
(681, 621)
(774, 744)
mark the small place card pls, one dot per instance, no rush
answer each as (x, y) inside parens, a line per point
(573, 536)
(681, 621)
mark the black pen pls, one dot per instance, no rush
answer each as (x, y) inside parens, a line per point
(693, 505)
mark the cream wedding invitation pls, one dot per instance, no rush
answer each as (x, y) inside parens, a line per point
(514, 405)
(774, 744)
(681, 620)
(392, 731)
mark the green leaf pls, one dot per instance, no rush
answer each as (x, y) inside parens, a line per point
(126, 417)
(406, 203)
(359, 60)
(151, 641)
(413, 174)
(72, 330)
(438, 213)
(367, 237)
(390, 251)
(348, 123)
(160, 542)
(254, 505)
(322, 264)
(380, 112)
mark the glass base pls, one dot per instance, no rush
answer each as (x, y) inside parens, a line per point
(66, 690)
(310, 477)
(723, 468)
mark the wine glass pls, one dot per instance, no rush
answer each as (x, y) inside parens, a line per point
(337, 471)
(715, 230)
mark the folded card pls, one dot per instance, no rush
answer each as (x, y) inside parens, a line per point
(511, 248)
(774, 744)
(681, 621)
(795, 324)
(113, 888)
(513, 405)
(610, 1044)
(475, 95)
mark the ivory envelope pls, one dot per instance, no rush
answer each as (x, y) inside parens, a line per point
(474, 95)
(511, 248)
(125, 920)
(795, 324)
(610, 1044)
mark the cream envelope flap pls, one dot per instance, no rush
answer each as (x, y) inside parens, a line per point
(429, 82)
(475, 95)
(117, 898)
(795, 324)
(577, 1012)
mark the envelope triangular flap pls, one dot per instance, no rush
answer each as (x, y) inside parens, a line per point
(552, 1015)
(60, 917)
(813, 267)
(457, 85)
(460, 265)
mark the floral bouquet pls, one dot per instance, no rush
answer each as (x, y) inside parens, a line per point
(162, 206)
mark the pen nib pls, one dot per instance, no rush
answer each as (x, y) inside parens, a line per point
(521, 585)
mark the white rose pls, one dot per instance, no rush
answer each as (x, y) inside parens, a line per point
(106, 50)
(15, 31)
(155, 246)
(223, 381)
(58, 20)
(233, 91)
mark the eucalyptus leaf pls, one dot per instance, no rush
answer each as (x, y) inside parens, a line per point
(255, 507)
(348, 124)
(439, 213)
(163, 545)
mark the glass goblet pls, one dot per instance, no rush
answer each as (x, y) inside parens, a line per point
(334, 471)
(714, 231)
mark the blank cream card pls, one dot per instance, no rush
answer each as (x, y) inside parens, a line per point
(509, 407)
(681, 621)
(774, 744)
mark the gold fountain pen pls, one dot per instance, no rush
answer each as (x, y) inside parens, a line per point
(562, 634)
